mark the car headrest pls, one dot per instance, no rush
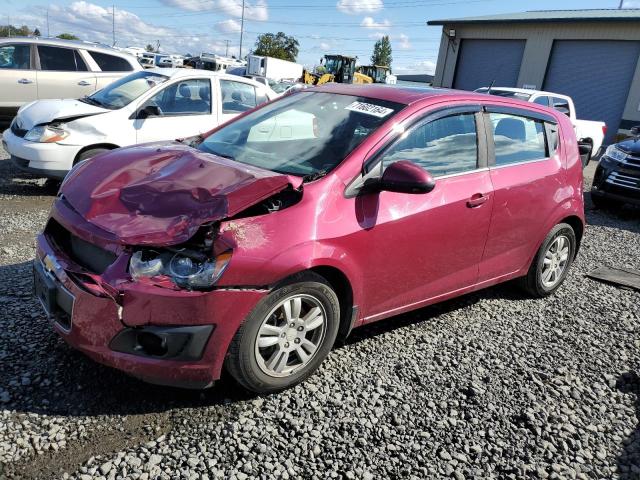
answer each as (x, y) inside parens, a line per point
(204, 92)
(184, 90)
(512, 128)
(237, 96)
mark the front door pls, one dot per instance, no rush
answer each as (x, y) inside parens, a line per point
(422, 246)
(63, 73)
(17, 77)
(184, 110)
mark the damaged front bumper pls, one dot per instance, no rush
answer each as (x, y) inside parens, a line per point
(169, 337)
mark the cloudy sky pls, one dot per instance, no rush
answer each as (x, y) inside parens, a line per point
(321, 26)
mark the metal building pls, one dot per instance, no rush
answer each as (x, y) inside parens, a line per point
(591, 55)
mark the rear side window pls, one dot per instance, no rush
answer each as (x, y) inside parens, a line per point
(562, 105)
(542, 101)
(60, 59)
(15, 57)
(517, 139)
(237, 97)
(444, 146)
(111, 63)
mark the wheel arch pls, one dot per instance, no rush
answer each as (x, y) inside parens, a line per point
(578, 228)
(109, 146)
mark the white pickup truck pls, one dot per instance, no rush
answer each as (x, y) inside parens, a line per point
(590, 134)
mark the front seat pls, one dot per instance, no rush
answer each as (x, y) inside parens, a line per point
(184, 103)
(203, 104)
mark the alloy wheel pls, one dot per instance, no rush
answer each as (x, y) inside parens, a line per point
(556, 259)
(290, 335)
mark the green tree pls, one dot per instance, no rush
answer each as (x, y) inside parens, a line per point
(36, 33)
(382, 52)
(279, 45)
(67, 36)
(150, 48)
(13, 31)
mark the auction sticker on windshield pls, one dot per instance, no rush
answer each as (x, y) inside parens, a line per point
(369, 109)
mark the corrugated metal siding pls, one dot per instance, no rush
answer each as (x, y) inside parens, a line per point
(481, 62)
(597, 75)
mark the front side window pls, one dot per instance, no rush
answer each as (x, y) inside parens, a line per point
(517, 139)
(188, 97)
(124, 91)
(237, 97)
(444, 146)
(110, 63)
(16, 57)
(60, 59)
(301, 134)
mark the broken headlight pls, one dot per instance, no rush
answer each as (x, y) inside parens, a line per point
(186, 268)
(46, 134)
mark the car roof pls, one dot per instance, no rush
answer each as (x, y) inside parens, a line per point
(394, 93)
(527, 91)
(59, 42)
(190, 72)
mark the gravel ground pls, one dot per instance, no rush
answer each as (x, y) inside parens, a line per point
(491, 385)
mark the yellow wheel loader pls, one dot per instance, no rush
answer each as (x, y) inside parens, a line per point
(336, 68)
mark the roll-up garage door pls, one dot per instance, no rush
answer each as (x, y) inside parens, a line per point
(481, 62)
(597, 74)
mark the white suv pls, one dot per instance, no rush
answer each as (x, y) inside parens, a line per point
(35, 68)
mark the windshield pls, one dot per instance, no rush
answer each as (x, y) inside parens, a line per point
(506, 93)
(124, 91)
(302, 134)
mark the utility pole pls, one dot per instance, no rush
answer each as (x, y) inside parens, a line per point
(9, 24)
(241, 30)
(113, 18)
(48, 34)
(227, 52)
(621, 3)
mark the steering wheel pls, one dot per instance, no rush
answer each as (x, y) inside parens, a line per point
(154, 104)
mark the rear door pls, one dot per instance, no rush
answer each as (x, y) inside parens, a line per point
(17, 77)
(236, 98)
(111, 67)
(527, 177)
(63, 73)
(185, 110)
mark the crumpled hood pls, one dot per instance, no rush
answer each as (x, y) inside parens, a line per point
(160, 194)
(45, 111)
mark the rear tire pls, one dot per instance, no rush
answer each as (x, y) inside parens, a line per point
(551, 263)
(286, 336)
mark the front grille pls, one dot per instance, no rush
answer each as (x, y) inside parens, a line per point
(85, 254)
(18, 132)
(632, 161)
(622, 180)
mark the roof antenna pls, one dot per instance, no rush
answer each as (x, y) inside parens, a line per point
(491, 86)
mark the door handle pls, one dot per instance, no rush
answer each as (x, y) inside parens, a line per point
(25, 81)
(84, 83)
(477, 200)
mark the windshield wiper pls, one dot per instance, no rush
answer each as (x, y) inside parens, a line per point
(314, 176)
(91, 101)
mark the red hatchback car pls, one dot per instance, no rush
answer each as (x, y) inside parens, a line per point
(254, 248)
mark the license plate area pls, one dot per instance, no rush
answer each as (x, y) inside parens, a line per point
(56, 300)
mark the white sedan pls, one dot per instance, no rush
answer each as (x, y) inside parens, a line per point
(48, 137)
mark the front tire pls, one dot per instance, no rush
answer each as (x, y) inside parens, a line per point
(552, 261)
(604, 203)
(87, 154)
(287, 336)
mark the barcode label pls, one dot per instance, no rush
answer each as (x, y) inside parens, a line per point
(369, 109)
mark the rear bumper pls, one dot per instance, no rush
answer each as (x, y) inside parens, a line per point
(105, 328)
(46, 159)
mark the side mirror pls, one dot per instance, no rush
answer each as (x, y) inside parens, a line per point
(404, 176)
(149, 111)
(635, 131)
